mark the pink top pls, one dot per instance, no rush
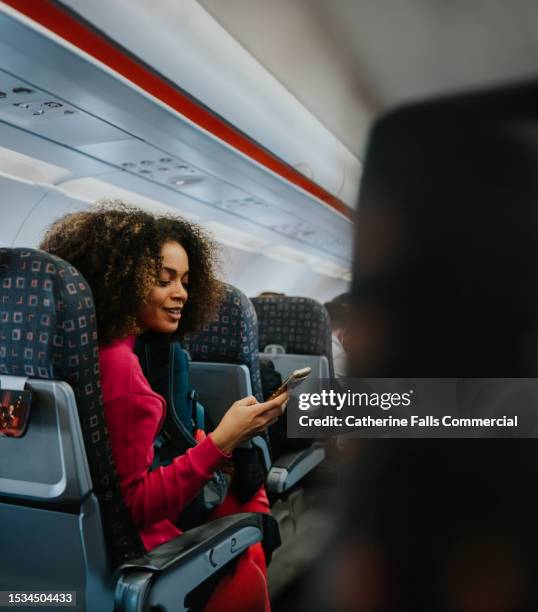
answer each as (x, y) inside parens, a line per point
(134, 415)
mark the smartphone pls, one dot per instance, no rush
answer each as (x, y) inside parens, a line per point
(296, 377)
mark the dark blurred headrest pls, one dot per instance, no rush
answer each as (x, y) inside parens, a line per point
(446, 265)
(46, 315)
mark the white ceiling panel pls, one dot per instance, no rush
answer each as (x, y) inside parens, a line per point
(17, 201)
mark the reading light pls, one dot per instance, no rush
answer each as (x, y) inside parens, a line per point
(238, 239)
(29, 168)
(328, 268)
(286, 254)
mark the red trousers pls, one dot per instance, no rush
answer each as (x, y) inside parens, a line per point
(245, 590)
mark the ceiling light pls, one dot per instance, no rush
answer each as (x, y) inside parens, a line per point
(286, 254)
(185, 181)
(238, 239)
(328, 268)
(29, 168)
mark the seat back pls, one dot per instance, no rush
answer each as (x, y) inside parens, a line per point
(55, 537)
(302, 328)
(301, 325)
(64, 505)
(231, 337)
(219, 385)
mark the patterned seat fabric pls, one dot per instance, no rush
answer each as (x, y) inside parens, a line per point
(301, 325)
(48, 331)
(231, 337)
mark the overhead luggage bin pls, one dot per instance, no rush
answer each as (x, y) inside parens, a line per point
(74, 97)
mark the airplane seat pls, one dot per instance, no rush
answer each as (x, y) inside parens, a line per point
(299, 325)
(296, 333)
(66, 527)
(225, 363)
(232, 337)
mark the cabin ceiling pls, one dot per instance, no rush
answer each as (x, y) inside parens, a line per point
(420, 48)
(292, 41)
(348, 59)
(344, 61)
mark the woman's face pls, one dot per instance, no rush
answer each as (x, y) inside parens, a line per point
(162, 310)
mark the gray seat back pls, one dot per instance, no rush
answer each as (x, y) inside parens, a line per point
(231, 338)
(55, 537)
(219, 385)
(48, 463)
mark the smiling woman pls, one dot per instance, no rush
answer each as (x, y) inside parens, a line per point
(139, 267)
(120, 250)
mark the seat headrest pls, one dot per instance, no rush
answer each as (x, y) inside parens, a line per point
(47, 315)
(231, 337)
(300, 324)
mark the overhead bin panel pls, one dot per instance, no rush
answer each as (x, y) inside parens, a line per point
(195, 51)
(49, 116)
(242, 213)
(69, 160)
(134, 132)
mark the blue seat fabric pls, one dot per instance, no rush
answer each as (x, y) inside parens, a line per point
(48, 331)
(231, 337)
(301, 325)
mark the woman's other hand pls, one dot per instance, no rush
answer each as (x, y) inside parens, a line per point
(246, 418)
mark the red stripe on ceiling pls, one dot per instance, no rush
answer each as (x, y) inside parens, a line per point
(65, 24)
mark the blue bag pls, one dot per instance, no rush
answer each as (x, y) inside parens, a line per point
(166, 366)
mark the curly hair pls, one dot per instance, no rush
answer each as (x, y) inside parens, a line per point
(117, 248)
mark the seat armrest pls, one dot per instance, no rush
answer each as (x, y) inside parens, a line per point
(197, 541)
(288, 469)
(261, 443)
(164, 576)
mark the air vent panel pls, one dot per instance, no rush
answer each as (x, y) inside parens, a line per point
(33, 109)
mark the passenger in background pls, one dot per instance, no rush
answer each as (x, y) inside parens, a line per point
(150, 273)
(339, 314)
(346, 299)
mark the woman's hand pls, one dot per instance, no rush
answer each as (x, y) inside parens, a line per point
(246, 418)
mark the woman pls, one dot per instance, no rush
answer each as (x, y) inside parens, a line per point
(150, 273)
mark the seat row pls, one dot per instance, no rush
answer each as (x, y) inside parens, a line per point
(69, 529)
